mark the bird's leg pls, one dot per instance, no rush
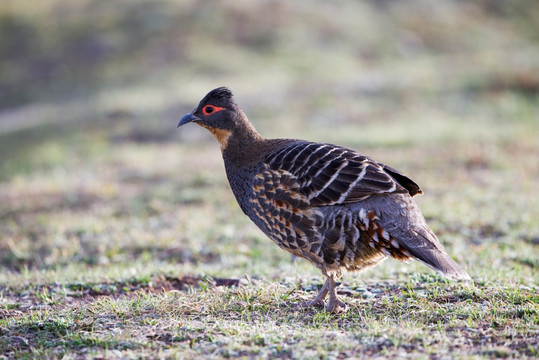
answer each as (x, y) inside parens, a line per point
(334, 304)
(319, 299)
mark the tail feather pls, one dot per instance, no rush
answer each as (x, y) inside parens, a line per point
(439, 261)
(401, 217)
(425, 247)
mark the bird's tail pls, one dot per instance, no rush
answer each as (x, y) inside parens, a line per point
(425, 247)
(437, 259)
(401, 217)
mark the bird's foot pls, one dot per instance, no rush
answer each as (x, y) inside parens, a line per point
(335, 306)
(310, 304)
(316, 303)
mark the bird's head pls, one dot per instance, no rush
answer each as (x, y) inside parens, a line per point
(217, 110)
(218, 113)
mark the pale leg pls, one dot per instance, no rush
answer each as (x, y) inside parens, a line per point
(334, 304)
(319, 299)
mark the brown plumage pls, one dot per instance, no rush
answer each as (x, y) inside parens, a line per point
(333, 206)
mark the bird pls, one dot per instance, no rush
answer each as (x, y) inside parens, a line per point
(338, 209)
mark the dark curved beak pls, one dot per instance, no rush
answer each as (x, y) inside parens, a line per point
(187, 119)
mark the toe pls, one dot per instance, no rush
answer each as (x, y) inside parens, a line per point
(312, 303)
(317, 303)
(337, 307)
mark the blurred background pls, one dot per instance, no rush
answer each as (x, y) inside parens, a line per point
(97, 182)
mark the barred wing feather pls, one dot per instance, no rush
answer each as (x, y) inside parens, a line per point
(327, 174)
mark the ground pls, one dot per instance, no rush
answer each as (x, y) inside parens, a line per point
(119, 235)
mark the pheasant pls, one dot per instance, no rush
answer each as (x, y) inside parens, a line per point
(328, 204)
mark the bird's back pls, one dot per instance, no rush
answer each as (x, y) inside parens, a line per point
(335, 206)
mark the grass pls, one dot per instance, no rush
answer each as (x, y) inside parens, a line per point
(120, 238)
(114, 256)
(422, 315)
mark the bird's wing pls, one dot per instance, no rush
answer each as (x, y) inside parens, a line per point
(326, 174)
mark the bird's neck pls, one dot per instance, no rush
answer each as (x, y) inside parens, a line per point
(241, 146)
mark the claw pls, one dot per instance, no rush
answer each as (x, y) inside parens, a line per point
(334, 305)
(318, 301)
(312, 303)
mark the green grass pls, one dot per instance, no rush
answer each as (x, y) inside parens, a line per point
(118, 256)
(421, 315)
(120, 237)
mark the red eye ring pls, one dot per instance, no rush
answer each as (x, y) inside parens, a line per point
(211, 109)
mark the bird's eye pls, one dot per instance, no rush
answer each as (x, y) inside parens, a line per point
(211, 109)
(207, 110)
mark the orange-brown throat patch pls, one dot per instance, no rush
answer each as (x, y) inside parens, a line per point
(221, 135)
